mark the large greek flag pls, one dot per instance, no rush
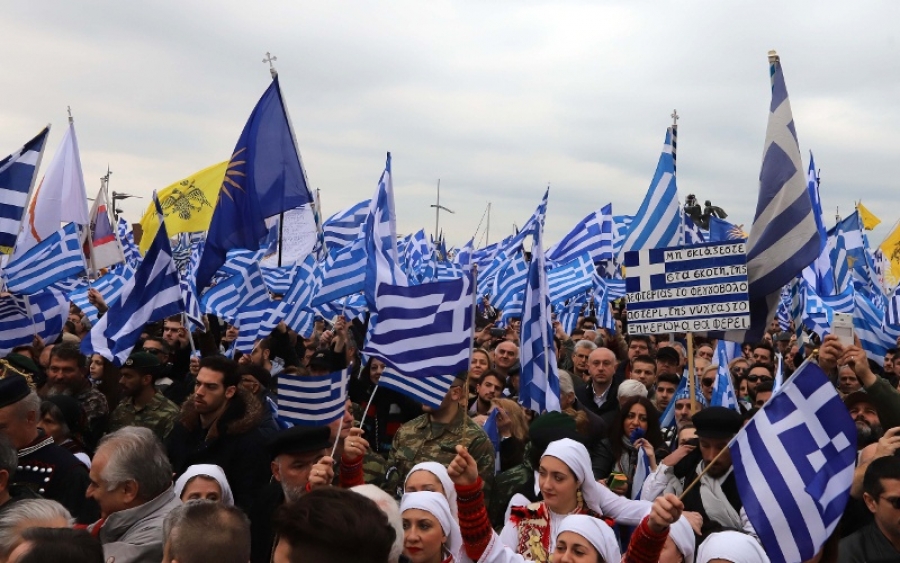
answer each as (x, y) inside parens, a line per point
(657, 223)
(593, 234)
(55, 258)
(17, 173)
(571, 279)
(343, 227)
(46, 312)
(794, 465)
(784, 238)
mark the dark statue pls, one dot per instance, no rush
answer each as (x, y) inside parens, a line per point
(701, 218)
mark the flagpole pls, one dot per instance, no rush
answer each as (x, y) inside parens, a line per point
(690, 343)
(472, 331)
(362, 419)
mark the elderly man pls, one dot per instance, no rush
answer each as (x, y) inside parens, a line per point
(295, 454)
(506, 355)
(44, 467)
(200, 531)
(131, 480)
(68, 375)
(583, 349)
(600, 394)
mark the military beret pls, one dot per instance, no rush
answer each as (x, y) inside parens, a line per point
(144, 362)
(23, 363)
(13, 389)
(717, 422)
(300, 439)
(323, 359)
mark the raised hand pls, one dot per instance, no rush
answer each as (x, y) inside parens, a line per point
(322, 473)
(666, 510)
(355, 445)
(463, 470)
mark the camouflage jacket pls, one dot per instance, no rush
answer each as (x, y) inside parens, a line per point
(422, 440)
(159, 415)
(94, 404)
(507, 484)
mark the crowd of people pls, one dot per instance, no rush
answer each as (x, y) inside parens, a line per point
(180, 454)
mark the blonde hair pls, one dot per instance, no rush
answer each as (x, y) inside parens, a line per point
(516, 416)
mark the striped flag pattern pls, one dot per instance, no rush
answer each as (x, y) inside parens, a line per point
(657, 223)
(593, 234)
(510, 282)
(868, 325)
(784, 238)
(110, 287)
(46, 314)
(293, 308)
(343, 227)
(17, 173)
(539, 380)
(571, 279)
(55, 258)
(306, 400)
(794, 464)
(892, 311)
(153, 293)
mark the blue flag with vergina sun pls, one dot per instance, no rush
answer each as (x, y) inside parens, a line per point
(265, 177)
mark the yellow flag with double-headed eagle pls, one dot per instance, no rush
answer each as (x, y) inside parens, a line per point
(869, 220)
(891, 250)
(187, 204)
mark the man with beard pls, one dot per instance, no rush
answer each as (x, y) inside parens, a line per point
(865, 415)
(489, 388)
(848, 383)
(295, 454)
(143, 405)
(67, 375)
(715, 497)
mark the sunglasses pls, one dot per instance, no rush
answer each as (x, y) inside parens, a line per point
(739, 371)
(755, 378)
(707, 381)
(153, 351)
(893, 501)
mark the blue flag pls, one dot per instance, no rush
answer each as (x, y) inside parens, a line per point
(264, 178)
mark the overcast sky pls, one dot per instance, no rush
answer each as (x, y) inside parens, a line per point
(496, 98)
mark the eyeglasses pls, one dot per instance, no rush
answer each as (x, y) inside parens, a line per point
(707, 381)
(755, 378)
(739, 371)
(893, 501)
(154, 351)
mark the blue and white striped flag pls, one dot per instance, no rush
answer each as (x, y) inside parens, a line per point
(784, 238)
(343, 227)
(423, 330)
(819, 274)
(568, 314)
(848, 252)
(657, 224)
(571, 279)
(809, 310)
(794, 464)
(110, 287)
(692, 233)
(278, 280)
(621, 225)
(56, 258)
(535, 222)
(783, 314)
(868, 324)
(892, 311)
(641, 470)
(380, 232)
(293, 308)
(126, 238)
(12, 305)
(510, 282)
(343, 273)
(17, 173)
(667, 418)
(539, 380)
(46, 314)
(723, 394)
(307, 400)
(154, 293)
(593, 234)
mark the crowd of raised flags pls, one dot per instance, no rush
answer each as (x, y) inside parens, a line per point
(417, 296)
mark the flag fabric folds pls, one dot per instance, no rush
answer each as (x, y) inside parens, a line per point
(126, 239)
(187, 204)
(312, 400)
(539, 380)
(154, 293)
(794, 464)
(17, 174)
(47, 312)
(58, 257)
(657, 223)
(59, 198)
(104, 246)
(343, 227)
(593, 234)
(869, 220)
(784, 238)
(571, 278)
(263, 178)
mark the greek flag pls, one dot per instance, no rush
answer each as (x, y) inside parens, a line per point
(568, 314)
(641, 470)
(343, 227)
(657, 223)
(841, 302)
(848, 252)
(380, 232)
(307, 400)
(55, 258)
(892, 311)
(784, 238)
(809, 310)
(794, 463)
(110, 287)
(153, 293)
(535, 222)
(293, 308)
(819, 274)
(571, 278)
(868, 324)
(667, 418)
(510, 283)
(17, 173)
(621, 224)
(783, 314)
(12, 305)
(343, 273)
(45, 315)
(278, 280)
(539, 380)
(423, 330)
(126, 238)
(723, 394)
(692, 233)
(593, 235)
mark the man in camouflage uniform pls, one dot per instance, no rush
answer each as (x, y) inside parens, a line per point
(67, 375)
(143, 405)
(434, 436)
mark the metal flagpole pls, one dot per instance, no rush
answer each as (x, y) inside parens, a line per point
(691, 383)
(674, 139)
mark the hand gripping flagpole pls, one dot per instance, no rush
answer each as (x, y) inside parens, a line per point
(337, 439)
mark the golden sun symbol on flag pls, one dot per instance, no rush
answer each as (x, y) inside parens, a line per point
(232, 172)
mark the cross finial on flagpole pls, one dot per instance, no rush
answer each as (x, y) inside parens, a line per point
(773, 56)
(69, 109)
(675, 117)
(270, 59)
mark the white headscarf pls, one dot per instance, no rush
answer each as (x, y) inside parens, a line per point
(731, 546)
(440, 472)
(436, 505)
(597, 497)
(683, 536)
(206, 470)
(596, 532)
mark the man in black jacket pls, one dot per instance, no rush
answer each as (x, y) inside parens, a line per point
(599, 395)
(219, 424)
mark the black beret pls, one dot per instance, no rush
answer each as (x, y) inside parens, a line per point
(144, 362)
(23, 363)
(300, 439)
(717, 422)
(668, 353)
(13, 389)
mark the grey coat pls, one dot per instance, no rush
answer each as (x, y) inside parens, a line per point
(135, 535)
